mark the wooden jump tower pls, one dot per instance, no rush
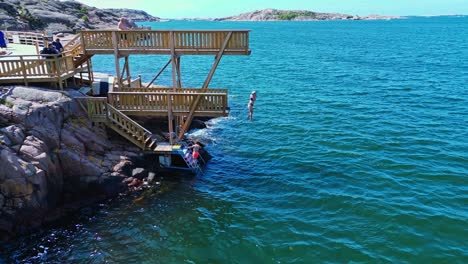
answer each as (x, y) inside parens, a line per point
(128, 98)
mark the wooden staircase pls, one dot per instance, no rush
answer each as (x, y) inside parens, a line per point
(80, 59)
(74, 48)
(100, 111)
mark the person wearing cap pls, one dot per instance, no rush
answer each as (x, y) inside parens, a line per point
(250, 105)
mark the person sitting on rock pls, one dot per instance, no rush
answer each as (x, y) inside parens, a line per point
(58, 46)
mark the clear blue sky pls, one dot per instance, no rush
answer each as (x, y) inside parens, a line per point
(221, 8)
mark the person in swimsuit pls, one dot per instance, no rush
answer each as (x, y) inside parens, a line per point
(250, 105)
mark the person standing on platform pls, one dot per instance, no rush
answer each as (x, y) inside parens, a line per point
(58, 45)
(250, 105)
(48, 53)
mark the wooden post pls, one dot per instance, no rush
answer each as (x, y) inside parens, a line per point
(56, 68)
(169, 114)
(23, 69)
(174, 62)
(179, 79)
(127, 67)
(116, 58)
(169, 97)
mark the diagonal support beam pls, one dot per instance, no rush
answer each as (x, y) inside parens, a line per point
(159, 73)
(195, 103)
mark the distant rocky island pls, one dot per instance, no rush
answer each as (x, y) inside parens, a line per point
(70, 16)
(298, 15)
(62, 16)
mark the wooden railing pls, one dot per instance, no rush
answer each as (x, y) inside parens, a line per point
(97, 108)
(100, 111)
(33, 66)
(73, 47)
(141, 40)
(127, 127)
(26, 38)
(147, 103)
(169, 90)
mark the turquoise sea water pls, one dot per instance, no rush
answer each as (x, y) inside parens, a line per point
(358, 154)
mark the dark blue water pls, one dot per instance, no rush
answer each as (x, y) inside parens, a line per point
(358, 153)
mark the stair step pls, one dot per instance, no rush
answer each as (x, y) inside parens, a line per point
(153, 142)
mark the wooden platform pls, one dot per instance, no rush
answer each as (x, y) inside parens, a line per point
(184, 42)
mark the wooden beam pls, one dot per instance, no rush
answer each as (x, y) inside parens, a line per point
(174, 60)
(169, 97)
(217, 60)
(194, 105)
(23, 69)
(179, 79)
(116, 58)
(127, 63)
(159, 73)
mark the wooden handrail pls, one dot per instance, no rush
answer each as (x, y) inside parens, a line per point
(211, 104)
(142, 40)
(134, 131)
(72, 42)
(33, 66)
(165, 93)
(165, 90)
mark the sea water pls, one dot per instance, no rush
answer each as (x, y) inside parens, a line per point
(358, 153)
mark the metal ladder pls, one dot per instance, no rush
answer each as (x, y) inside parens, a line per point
(192, 163)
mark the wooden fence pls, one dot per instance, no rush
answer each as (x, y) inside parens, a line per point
(26, 38)
(30, 68)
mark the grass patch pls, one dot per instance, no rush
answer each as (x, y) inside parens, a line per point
(6, 103)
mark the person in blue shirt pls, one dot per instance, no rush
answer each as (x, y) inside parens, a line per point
(47, 53)
(58, 45)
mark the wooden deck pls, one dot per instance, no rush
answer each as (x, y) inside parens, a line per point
(184, 42)
(34, 68)
(179, 105)
(212, 104)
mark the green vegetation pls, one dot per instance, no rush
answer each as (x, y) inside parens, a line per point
(293, 14)
(33, 22)
(84, 18)
(6, 103)
(82, 9)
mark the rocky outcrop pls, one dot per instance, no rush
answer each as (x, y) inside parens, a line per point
(62, 16)
(51, 155)
(297, 15)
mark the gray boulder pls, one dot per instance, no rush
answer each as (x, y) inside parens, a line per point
(14, 133)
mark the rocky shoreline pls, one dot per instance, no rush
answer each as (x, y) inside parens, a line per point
(62, 16)
(52, 157)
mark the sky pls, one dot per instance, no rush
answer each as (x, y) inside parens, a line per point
(223, 8)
